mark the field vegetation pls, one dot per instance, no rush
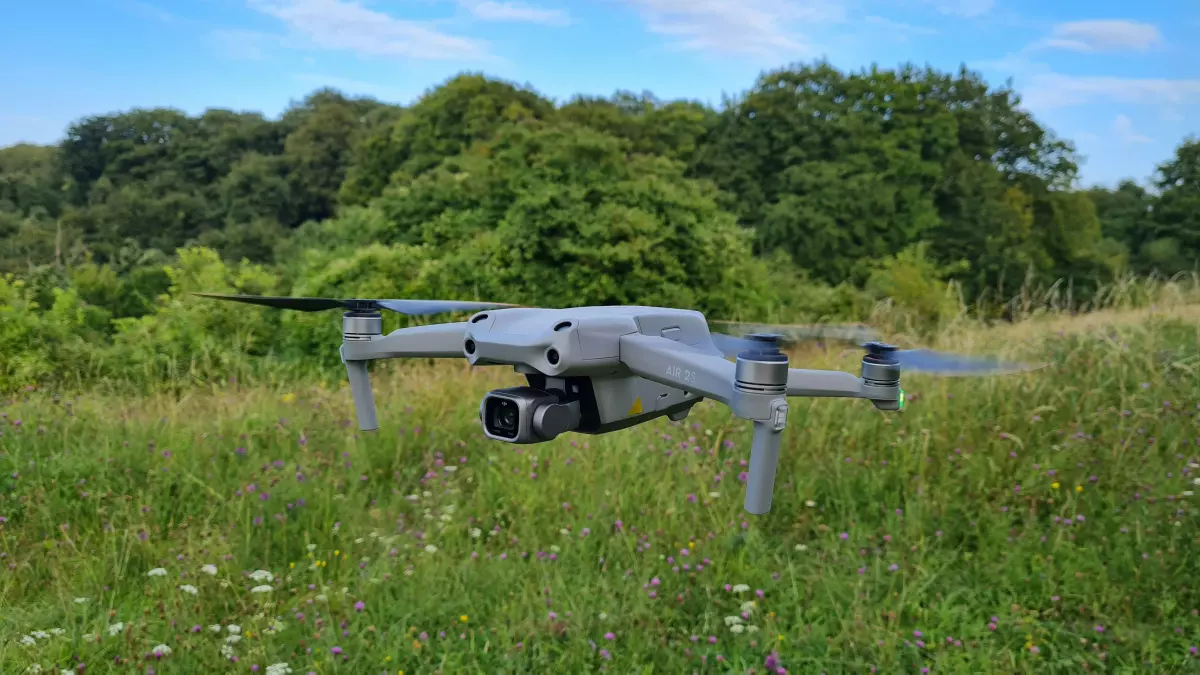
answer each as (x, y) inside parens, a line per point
(183, 489)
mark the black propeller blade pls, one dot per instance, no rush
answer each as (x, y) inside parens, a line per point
(409, 307)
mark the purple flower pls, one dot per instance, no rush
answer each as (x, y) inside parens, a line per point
(359, 606)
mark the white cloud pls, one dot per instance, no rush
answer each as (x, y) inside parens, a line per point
(347, 25)
(1102, 36)
(351, 87)
(1123, 128)
(747, 27)
(1055, 90)
(491, 10)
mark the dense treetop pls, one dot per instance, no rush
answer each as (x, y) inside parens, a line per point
(809, 194)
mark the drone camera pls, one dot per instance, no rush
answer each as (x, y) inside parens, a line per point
(527, 415)
(880, 369)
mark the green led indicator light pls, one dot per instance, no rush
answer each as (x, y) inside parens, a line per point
(901, 400)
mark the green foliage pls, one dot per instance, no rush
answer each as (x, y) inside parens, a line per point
(917, 285)
(812, 196)
(1036, 523)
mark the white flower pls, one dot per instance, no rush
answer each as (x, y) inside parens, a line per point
(40, 634)
(801, 547)
(732, 620)
(476, 532)
(28, 640)
(233, 639)
(737, 628)
(1196, 482)
(89, 637)
(262, 575)
(80, 601)
(161, 650)
(57, 631)
(216, 628)
(188, 588)
(321, 598)
(751, 629)
(35, 668)
(810, 503)
(227, 651)
(603, 616)
(741, 588)
(278, 669)
(233, 628)
(261, 589)
(66, 672)
(451, 468)
(210, 570)
(748, 606)
(116, 628)
(1187, 493)
(430, 548)
(157, 572)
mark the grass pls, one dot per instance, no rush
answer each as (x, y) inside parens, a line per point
(1041, 522)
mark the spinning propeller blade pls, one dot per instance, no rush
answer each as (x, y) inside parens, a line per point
(909, 360)
(409, 307)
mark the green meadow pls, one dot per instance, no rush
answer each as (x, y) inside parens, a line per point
(1038, 522)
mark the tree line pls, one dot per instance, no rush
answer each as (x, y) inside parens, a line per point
(810, 194)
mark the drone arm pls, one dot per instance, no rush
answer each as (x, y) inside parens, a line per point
(437, 341)
(824, 383)
(678, 365)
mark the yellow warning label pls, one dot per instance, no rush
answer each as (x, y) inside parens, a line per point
(636, 409)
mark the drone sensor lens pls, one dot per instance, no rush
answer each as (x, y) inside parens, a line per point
(469, 345)
(552, 356)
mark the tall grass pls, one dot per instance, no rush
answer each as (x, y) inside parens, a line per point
(1041, 522)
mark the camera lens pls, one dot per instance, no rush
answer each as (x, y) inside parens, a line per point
(506, 416)
(502, 417)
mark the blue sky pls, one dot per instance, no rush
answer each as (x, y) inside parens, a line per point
(1120, 79)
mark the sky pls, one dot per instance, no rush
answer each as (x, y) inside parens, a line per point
(1120, 79)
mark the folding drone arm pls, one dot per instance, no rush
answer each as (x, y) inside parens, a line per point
(678, 365)
(362, 342)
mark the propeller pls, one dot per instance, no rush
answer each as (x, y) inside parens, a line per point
(409, 307)
(911, 360)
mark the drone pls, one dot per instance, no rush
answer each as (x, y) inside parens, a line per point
(595, 370)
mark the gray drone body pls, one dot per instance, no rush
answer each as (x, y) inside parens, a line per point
(595, 370)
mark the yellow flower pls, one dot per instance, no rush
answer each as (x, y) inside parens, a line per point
(292, 565)
(463, 618)
(1054, 485)
(1079, 488)
(289, 397)
(337, 551)
(691, 544)
(779, 638)
(388, 659)
(416, 644)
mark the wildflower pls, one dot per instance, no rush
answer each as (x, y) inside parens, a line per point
(278, 669)
(116, 628)
(157, 572)
(430, 548)
(463, 618)
(188, 588)
(1054, 485)
(359, 606)
(262, 575)
(741, 588)
(80, 601)
(233, 628)
(216, 628)
(1079, 488)
(210, 570)
(810, 503)
(161, 650)
(737, 628)
(261, 589)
